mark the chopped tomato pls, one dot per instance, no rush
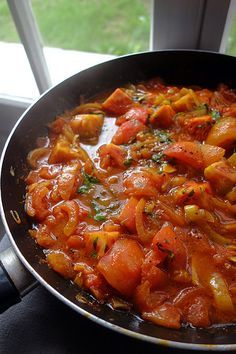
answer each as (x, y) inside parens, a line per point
(75, 242)
(117, 103)
(112, 155)
(169, 245)
(156, 277)
(127, 215)
(141, 184)
(44, 236)
(194, 306)
(61, 263)
(121, 266)
(187, 152)
(198, 313)
(166, 315)
(127, 132)
(147, 300)
(192, 191)
(135, 113)
(199, 126)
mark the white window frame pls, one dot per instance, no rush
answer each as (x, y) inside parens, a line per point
(182, 24)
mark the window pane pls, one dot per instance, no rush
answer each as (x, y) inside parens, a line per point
(231, 40)
(101, 26)
(15, 72)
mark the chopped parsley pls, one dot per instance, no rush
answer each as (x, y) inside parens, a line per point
(128, 162)
(157, 157)
(88, 181)
(163, 136)
(96, 206)
(215, 114)
(100, 215)
(165, 250)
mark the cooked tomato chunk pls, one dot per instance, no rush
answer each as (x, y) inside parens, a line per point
(121, 266)
(128, 131)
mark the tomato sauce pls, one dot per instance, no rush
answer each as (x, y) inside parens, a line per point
(133, 198)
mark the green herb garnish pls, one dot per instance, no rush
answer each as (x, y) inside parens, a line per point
(163, 136)
(128, 161)
(100, 217)
(157, 157)
(88, 181)
(165, 250)
(215, 114)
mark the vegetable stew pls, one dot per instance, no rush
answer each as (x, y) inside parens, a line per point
(133, 198)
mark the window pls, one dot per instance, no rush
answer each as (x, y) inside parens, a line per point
(110, 27)
(85, 32)
(16, 76)
(229, 38)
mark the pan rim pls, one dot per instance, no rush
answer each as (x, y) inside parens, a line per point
(77, 308)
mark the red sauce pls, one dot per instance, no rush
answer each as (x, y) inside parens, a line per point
(134, 197)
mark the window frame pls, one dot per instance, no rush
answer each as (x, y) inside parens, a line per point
(208, 22)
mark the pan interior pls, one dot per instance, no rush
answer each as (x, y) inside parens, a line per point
(175, 67)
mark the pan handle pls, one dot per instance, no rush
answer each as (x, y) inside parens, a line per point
(15, 279)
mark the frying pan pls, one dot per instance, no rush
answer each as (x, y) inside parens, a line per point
(175, 67)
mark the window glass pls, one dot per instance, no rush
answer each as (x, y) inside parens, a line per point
(15, 72)
(101, 26)
(231, 40)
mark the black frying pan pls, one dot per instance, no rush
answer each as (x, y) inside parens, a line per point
(175, 67)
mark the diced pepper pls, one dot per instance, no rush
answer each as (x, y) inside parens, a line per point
(223, 133)
(117, 103)
(88, 126)
(221, 175)
(163, 116)
(185, 103)
(192, 190)
(62, 152)
(211, 154)
(99, 242)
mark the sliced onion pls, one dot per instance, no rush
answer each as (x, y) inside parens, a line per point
(221, 293)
